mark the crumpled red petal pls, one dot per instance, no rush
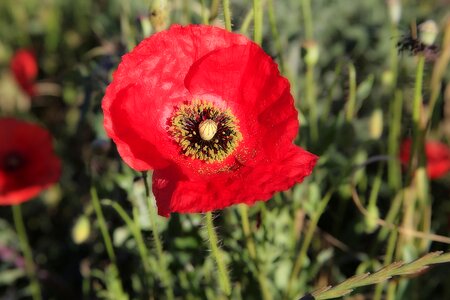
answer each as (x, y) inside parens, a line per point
(176, 193)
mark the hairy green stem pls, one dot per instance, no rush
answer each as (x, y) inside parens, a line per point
(217, 254)
(307, 18)
(258, 21)
(203, 13)
(227, 14)
(165, 274)
(25, 247)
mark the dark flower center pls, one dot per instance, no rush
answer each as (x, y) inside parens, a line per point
(205, 131)
(12, 162)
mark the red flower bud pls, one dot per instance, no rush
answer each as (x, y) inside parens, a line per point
(25, 69)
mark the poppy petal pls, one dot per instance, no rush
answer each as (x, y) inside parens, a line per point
(174, 193)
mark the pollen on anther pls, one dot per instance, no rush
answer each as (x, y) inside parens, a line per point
(204, 131)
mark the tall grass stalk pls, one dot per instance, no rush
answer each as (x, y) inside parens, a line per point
(394, 171)
(30, 267)
(106, 236)
(133, 226)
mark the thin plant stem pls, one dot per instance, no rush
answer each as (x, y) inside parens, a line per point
(388, 258)
(28, 255)
(375, 189)
(416, 114)
(217, 254)
(310, 91)
(135, 231)
(262, 280)
(165, 275)
(439, 71)
(258, 21)
(102, 225)
(227, 14)
(246, 23)
(351, 101)
(276, 35)
(243, 209)
(105, 234)
(307, 242)
(394, 171)
(204, 13)
(307, 18)
(214, 10)
(417, 102)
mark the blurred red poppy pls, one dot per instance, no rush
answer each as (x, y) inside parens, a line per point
(25, 70)
(437, 154)
(27, 161)
(209, 111)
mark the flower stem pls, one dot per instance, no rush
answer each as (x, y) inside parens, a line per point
(258, 21)
(307, 18)
(165, 275)
(227, 14)
(203, 13)
(25, 246)
(213, 241)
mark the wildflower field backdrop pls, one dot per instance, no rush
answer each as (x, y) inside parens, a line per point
(235, 149)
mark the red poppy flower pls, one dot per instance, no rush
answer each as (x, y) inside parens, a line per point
(437, 154)
(27, 162)
(209, 111)
(25, 69)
